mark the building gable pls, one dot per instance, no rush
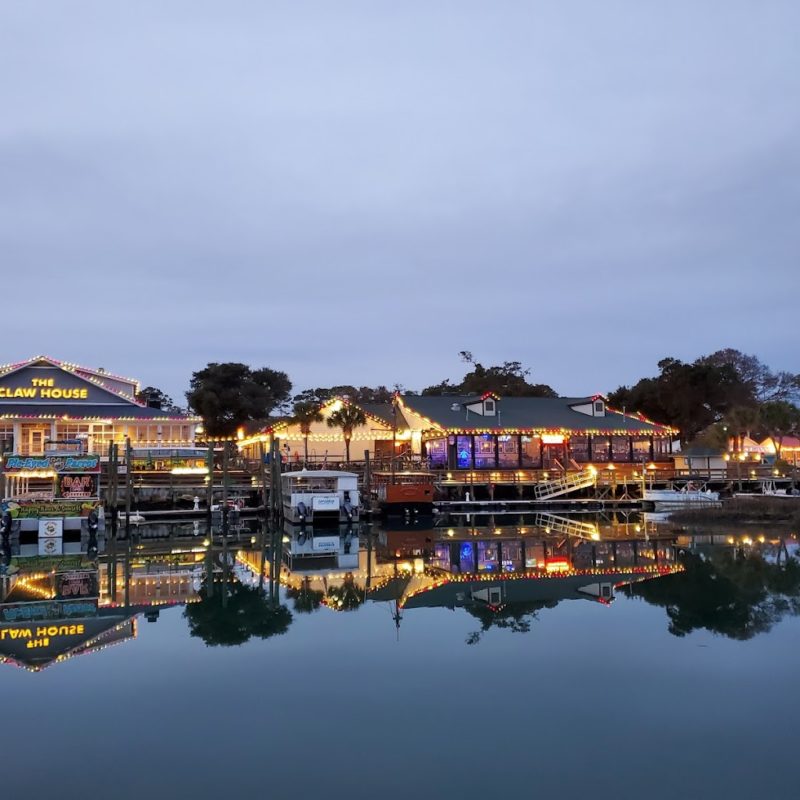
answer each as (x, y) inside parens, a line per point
(43, 382)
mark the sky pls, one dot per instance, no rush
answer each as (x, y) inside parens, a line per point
(354, 192)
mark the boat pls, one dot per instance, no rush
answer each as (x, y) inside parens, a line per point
(688, 495)
(770, 489)
(320, 496)
(404, 493)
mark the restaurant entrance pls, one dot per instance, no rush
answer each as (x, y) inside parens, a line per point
(33, 439)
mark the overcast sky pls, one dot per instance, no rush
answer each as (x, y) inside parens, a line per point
(355, 191)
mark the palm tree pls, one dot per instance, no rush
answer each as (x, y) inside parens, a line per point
(348, 418)
(741, 420)
(305, 414)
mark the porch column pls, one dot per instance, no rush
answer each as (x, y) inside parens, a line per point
(630, 448)
(653, 449)
(589, 453)
(519, 450)
(496, 451)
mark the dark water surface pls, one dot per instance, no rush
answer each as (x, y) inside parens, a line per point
(543, 690)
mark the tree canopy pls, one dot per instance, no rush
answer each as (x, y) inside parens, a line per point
(509, 379)
(152, 396)
(229, 395)
(362, 394)
(736, 595)
(241, 614)
(690, 397)
(727, 387)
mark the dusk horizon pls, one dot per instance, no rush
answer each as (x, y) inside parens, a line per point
(356, 195)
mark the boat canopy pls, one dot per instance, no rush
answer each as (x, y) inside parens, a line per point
(305, 474)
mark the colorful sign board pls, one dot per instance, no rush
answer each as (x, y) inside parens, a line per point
(49, 609)
(77, 487)
(75, 584)
(63, 463)
(34, 509)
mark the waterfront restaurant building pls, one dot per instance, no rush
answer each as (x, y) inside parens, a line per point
(490, 432)
(44, 401)
(486, 432)
(326, 444)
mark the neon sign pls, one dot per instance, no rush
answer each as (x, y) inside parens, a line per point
(43, 389)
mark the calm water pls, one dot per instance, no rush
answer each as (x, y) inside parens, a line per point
(412, 663)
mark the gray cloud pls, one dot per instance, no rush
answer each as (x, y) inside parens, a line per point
(353, 192)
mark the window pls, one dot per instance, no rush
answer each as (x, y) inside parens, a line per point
(621, 448)
(579, 448)
(464, 452)
(531, 451)
(508, 451)
(488, 407)
(437, 452)
(599, 408)
(600, 448)
(484, 452)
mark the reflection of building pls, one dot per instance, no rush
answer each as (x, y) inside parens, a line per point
(38, 645)
(43, 400)
(49, 614)
(548, 588)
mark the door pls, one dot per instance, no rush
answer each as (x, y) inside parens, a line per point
(36, 440)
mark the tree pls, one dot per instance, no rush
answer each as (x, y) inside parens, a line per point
(363, 394)
(150, 396)
(238, 615)
(690, 397)
(305, 414)
(348, 418)
(733, 594)
(229, 395)
(509, 379)
(779, 418)
(763, 384)
(740, 422)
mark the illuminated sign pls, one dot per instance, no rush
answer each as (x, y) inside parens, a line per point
(52, 609)
(31, 509)
(76, 487)
(552, 438)
(83, 463)
(76, 584)
(44, 389)
(41, 635)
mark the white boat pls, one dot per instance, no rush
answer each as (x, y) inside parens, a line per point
(769, 489)
(320, 496)
(686, 496)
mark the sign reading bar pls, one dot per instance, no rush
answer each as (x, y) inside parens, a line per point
(77, 487)
(76, 584)
(83, 463)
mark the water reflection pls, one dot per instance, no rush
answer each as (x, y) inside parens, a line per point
(250, 584)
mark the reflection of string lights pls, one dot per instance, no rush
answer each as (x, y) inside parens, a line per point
(640, 573)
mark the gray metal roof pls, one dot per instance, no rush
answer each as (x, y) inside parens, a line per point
(524, 413)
